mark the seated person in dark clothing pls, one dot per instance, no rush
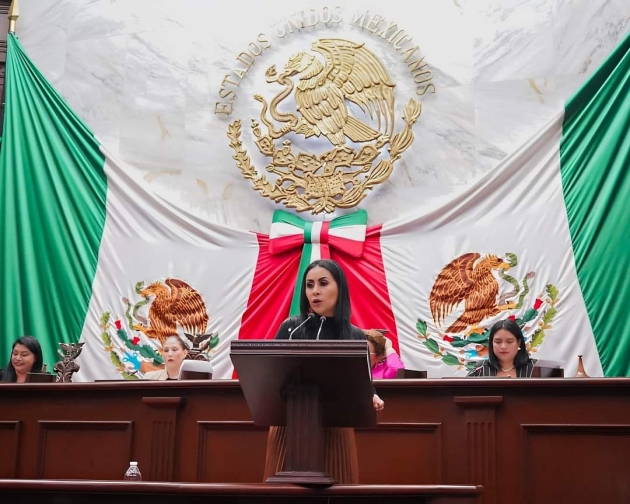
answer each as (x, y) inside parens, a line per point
(507, 355)
(26, 357)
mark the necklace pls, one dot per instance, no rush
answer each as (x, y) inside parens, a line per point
(508, 369)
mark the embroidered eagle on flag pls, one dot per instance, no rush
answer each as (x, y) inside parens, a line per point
(469, 280)
(175, 303)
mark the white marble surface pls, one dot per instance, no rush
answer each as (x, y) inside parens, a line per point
(144, 75)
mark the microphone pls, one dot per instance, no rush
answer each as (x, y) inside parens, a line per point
(292, 331)
(323, 319)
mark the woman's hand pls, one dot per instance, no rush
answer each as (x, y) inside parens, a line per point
(379, 404)
(389, 346)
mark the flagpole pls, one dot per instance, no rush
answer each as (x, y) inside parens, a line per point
(13, 15)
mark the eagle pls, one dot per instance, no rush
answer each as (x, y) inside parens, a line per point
(175, 303)
(352, 73)
(473, 284)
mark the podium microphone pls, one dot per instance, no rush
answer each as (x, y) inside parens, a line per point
(323, 319)
(292, 331)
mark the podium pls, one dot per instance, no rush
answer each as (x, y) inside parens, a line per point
(305, 385)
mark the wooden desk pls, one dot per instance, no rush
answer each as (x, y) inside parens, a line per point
(123, 492)
(537, 440)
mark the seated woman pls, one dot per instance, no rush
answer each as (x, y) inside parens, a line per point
(507, 355)
(174, 351)
(324, 292)
(384, 359)
(26, 357)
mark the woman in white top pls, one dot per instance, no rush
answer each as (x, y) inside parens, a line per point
(174, 352)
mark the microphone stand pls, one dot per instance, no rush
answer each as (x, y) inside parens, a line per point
(323, 319)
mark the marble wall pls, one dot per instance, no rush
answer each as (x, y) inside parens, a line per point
(145, 76)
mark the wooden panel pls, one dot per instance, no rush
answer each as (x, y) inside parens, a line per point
(411, 452)
(9, 439)
(163, 414)
(480, 419)
(126, 492)
(84, 450)
(231, 452)
(576, 463)
(231, 449)
(481, 449)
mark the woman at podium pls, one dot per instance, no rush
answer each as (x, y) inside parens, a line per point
(507, 355)
(324, 314)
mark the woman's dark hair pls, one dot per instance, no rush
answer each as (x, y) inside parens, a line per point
(9, 374)
(522, 357)
(342, 308)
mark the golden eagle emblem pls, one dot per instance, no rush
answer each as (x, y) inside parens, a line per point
(341, 77)
(469, 280)
(352, 73)
(175, 303)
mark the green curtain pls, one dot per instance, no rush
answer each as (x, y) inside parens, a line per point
(595, 161)
(52, 209)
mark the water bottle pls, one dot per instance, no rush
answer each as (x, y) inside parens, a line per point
(133, 473)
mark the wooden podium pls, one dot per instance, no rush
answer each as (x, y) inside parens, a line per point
(305, 385)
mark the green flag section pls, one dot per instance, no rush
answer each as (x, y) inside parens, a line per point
(595, 166)
(52, 209)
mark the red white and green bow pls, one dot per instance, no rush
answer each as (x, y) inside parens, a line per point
(288, 232)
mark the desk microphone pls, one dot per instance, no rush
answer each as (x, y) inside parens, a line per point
(323, 319)
(292, 331)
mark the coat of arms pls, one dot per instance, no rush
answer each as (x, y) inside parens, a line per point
(175, 309)
(343, 94)
(467, 294)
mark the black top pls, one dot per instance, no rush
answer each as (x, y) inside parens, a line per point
(330, 330)
(485, 369)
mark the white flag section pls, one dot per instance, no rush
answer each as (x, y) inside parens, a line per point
(501, 248)
(147, 244)
(517, 214)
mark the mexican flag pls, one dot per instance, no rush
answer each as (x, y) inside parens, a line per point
(89, 254)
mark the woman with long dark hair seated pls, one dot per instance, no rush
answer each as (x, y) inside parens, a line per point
(325, 293)
(507, 355)
(26, 357)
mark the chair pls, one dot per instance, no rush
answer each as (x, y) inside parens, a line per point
(547, 369)
(410, 373)
(40, 378)
(196, 370)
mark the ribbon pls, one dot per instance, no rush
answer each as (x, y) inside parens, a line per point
(289, 232)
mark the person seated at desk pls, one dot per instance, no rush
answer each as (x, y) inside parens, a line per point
(174, 352)
(324, 292)
(26, 357)
(383, 358)
(507, 355)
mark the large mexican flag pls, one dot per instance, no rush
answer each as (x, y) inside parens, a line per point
(88, 253)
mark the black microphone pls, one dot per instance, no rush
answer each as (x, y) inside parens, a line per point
(323, 319)
(292, 331)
